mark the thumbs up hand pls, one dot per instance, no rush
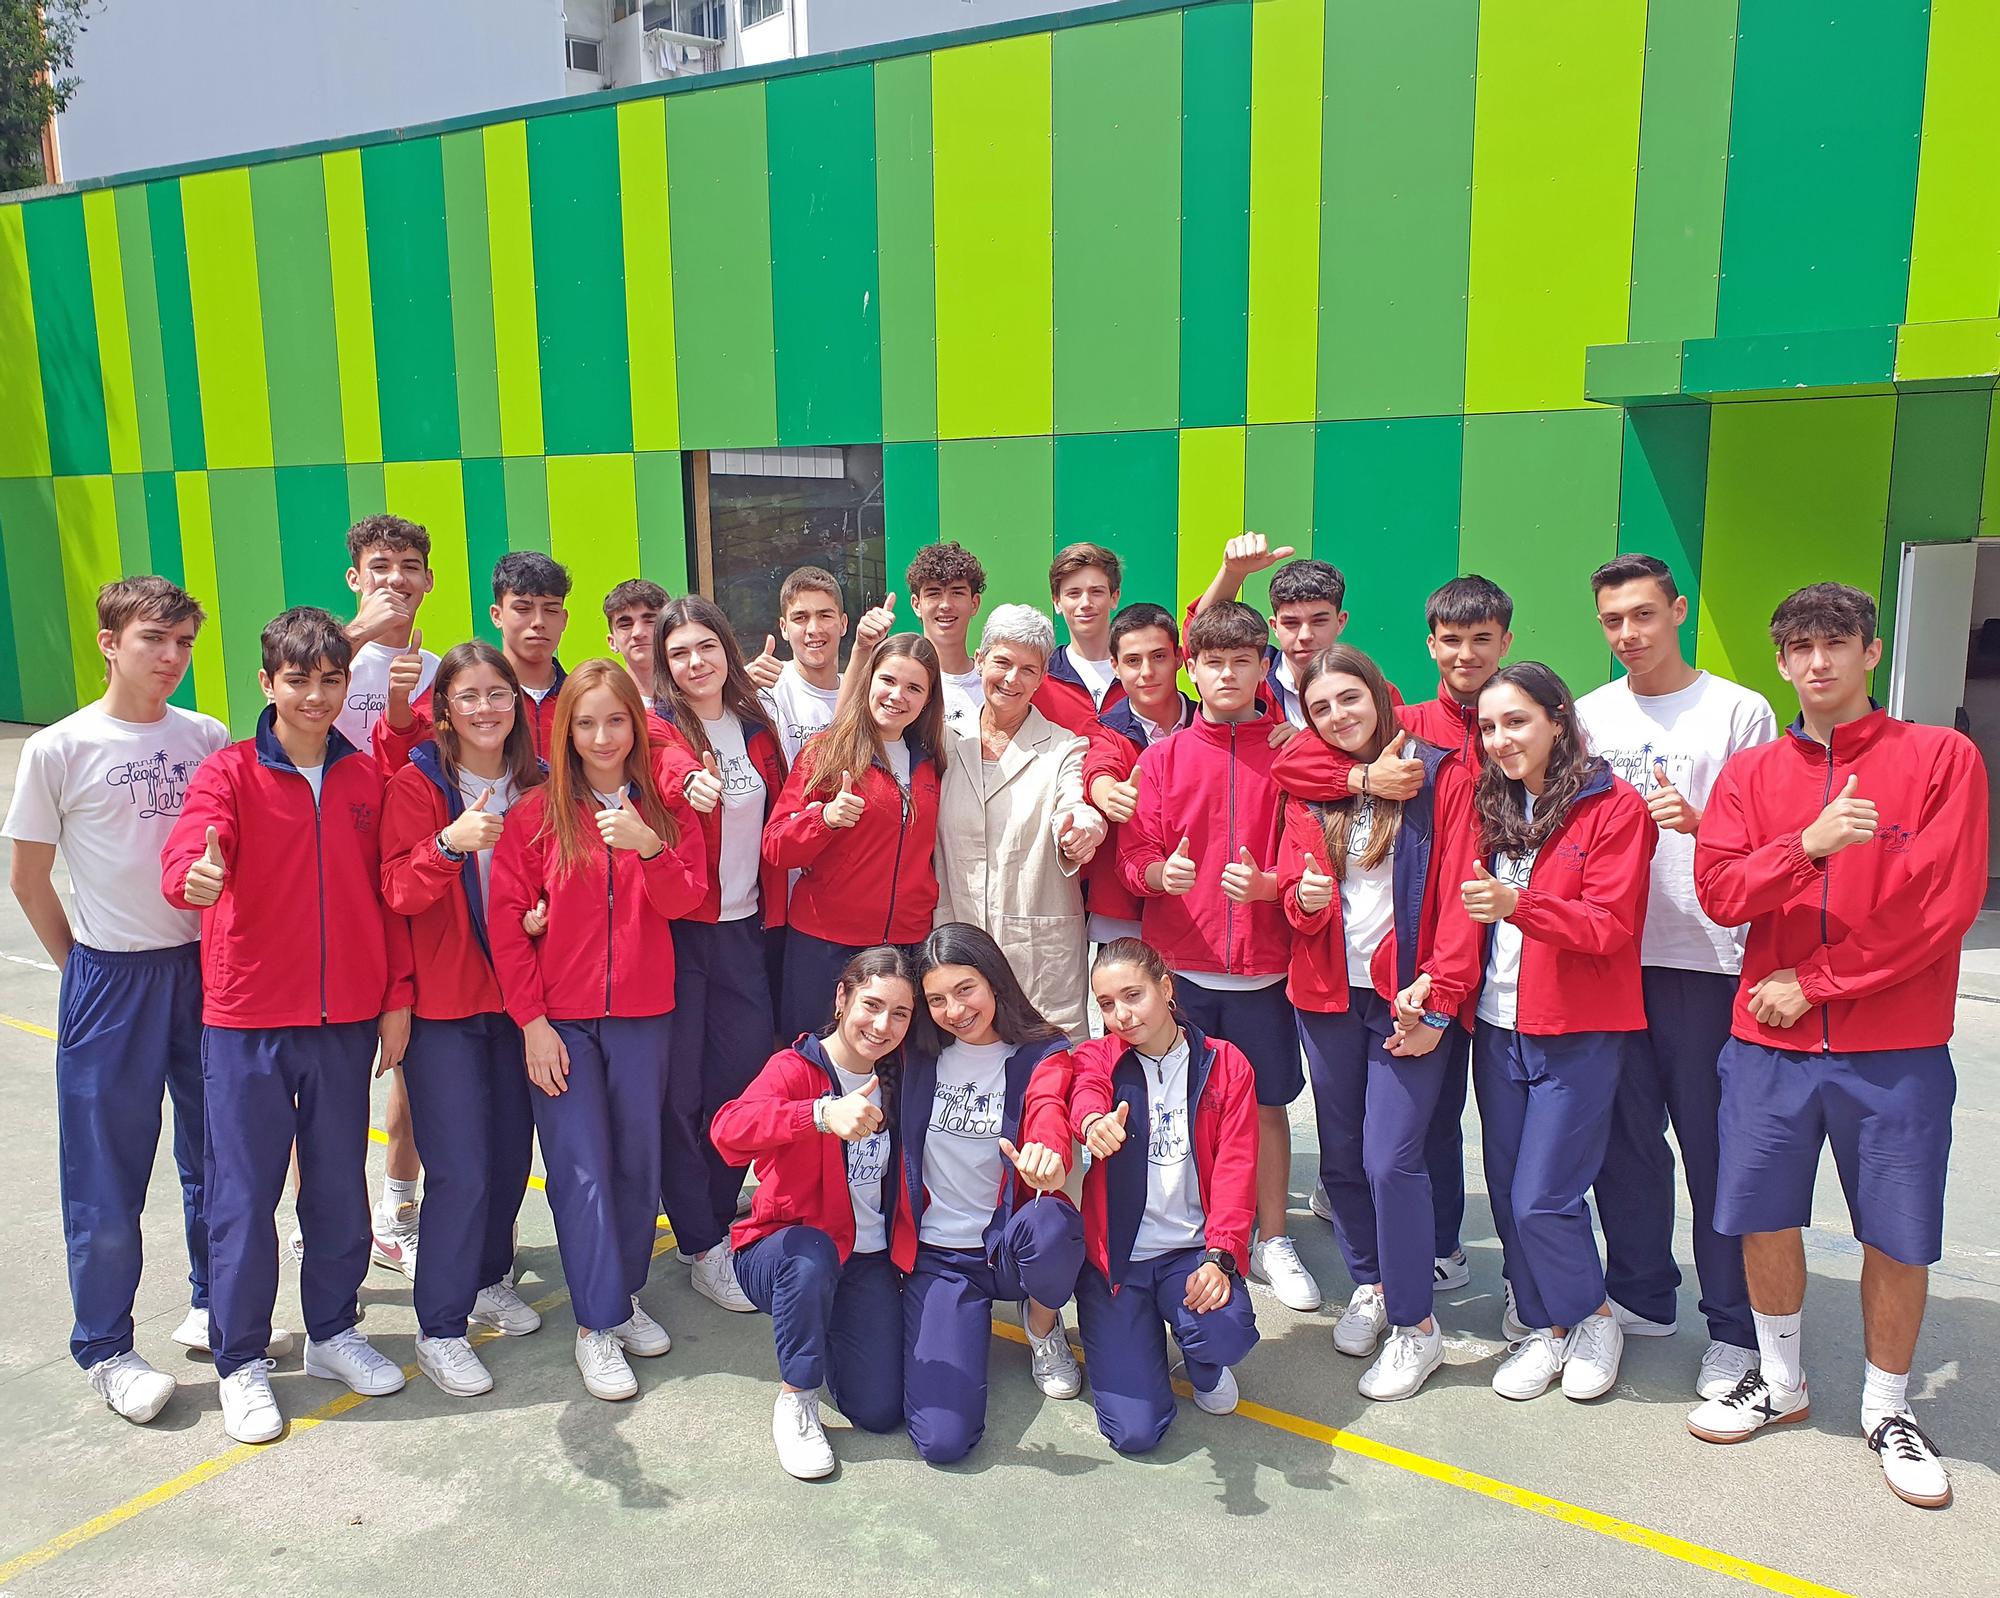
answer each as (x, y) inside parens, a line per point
(876, 623)
(1177, 871)
(202, 885)
(476, 828)
(1079, 833)
(1670, 807)
(854, 1116)
(1315, 889)
(1105, 1135)
(1487, 898)
(1244, 882)
(1118, 800)
(405, 672)
(1038, 1164)
(704, 786)
(844, 808)
(622, 827)
(536, 921)
(767, 668)
(1848, 820)
(1393, 774)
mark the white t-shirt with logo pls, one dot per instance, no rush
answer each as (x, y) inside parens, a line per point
(742, 817)
(798, 709)
(106, 793)
(1173, 1219)
(1499, 998)
(867, 1164)
(1097, 675)
(962, 696)
(1367, 898)
(1692, 731)
(962, 1148)
(470, 788)
(368, 688)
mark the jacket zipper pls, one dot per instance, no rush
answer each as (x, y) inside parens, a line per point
(610, 921)
(896, 866)
(1825, 891)
(1229, 910)
(319, 867)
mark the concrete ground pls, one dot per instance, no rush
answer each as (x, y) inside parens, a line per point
(544, 1489)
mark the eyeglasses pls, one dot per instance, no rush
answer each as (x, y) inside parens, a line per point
(493, 699)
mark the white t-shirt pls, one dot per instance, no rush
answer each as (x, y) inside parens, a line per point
(798, 709)
(962, 1149)
(1172, 1218)
(742, 817)
(368, 688)
(608, 801)
(962, 698)
(1367, 898)
(470, 788)
(106, 794)
(1499, 997)
(538, 694)
(315, 777)
(1288, 693)
(898, 753)
(867, 1164)
(1097, 675)
(1693, 730)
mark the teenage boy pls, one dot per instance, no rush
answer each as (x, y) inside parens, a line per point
(1199, 852)
(630, 610)
(1083, 586)
(813, 617)
(1667, 729)
(304, 973)
(103, 786)
(1854, 848)
(1306, 614)
(389, 570)
(945, 583)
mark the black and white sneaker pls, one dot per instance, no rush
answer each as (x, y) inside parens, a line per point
(1910, 1462)
(1748, 1407)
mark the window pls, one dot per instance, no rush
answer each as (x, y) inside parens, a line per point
(755, 11)
(583, 55)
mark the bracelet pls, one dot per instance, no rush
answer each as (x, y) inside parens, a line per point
(819, 1113)
(1364, 782)
(455, 856)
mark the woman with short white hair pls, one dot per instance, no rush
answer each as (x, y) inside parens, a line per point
(1013, 825)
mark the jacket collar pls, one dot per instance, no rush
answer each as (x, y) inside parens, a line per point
(1125, 1179)
(271, 753)
(1123, 718)
(1849, 739)
(1467, 714)
(426, 758)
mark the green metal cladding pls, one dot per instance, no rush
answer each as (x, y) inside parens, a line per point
(1148, 274)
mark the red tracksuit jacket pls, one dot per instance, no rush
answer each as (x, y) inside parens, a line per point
(300, 936)
(1873, 931)
(673, 759)
(392, 748)
(1113, 753)
(869, 883)
(1581, 915)
(1210, 782)
(609, 948)
(1224, 1122)
(440, 898)
(1435, 847)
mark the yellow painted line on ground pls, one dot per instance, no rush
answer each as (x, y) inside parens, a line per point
(19, 1025)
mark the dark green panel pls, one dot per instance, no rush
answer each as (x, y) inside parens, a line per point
(485, 537)
(1938, 467)
(409, 277)
(66, 335)
(163, 543)
(904, 207)
(1663, 495)
(1824, 129)
(1385, 511)
(1215, 215)
(170, 281)
(33, 553)
(250, 578)
(910, 509)
(526, 480)
(579, 236)
(312, 529)
(1123, 489)
(295, 287)
(11, 708)
(824, 304)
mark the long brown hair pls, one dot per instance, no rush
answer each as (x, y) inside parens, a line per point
(1504, 824)
(1337, 817)
(524, 766)
(852, 743)
(739, 697)
(569, 804)
(1015, 1017)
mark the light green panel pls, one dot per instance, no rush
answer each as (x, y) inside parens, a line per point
(904, 262)
(994, 214)
(1938, 461)
(228, 318)
(1211, 505)
(250, 578)
(594, 531)
(1277, 495)
(1555, 155)
(135, 544)
(1287, 43)
(87, 525)
(37, 596)
(996, 496)
(24, 425)
(663, 554)
(1785, 478)
(1989, 498)
(1955, 251)
(144, 349)
(432, 494)
(469, 260)
(367, 494)
(211, 676)
(353, 306)
(649, 313)
(526, 487)
(114, 343)
(511, 244)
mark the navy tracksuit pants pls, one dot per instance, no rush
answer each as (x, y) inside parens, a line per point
(1545, 1110)
(837, 1324)
(1374, 1115)
(1125, 1343)
(948, 1319)
(1670, 1076)
(1444, 1143)
(468, 1087)
(268, 1088)
(722, 1037)
(601, 1149)
(128, 1029)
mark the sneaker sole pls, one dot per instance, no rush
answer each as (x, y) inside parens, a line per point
(798, 1474)
(1920, 1500)
(744, 1308)
(1586, 1398)
(1451, 1283)
(1740, 1437)
(504, 1330)
(445, 1387)
(1303, 1309)
(1396, 1398)
(649, 1351)
(263, 1437)
(325, 1375)
(611, 1395)
(143, 1418)
(1368, 1352)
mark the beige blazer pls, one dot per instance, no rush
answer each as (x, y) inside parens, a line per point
(1000, 867)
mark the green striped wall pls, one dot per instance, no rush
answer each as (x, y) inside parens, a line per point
(1325, 268)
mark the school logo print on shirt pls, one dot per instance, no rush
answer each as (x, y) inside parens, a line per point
(1168, 1143)
(157, 785)
(362, 815)
(368, 706)
(965, 1111)
(1895, 839)
(738, 776)
(867, 1160)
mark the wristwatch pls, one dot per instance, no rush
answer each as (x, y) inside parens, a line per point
(1437, 1020)
(445, 849)
(1222, 1260)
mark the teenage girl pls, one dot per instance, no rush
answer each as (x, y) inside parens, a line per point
(820, 1122)
(597, 859)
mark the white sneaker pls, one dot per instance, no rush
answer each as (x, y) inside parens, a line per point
(602, 1362)
(451, 1363)
(1590, 1369)
(1450, 1272)
(745, 1196)
(296, 1247)
(1361, 1326)
(349, 1357)
(193, 1333)
(1512, 1327)
(641, 1334)
(395, 1243)
(1748, 1407)
(1219, 1399)
(1910, 1462)
(249, 1409)
(131, 1386)
(1275, 1261)
(1723, 1365)
(1319, 1203)
(1633, 1324)
(1055, 1367)
(1536, 1361)
(713, 1276)
(803, 1450)
(1405, 1363)
(503, 1309)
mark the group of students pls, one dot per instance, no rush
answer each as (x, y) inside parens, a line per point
(586, 906)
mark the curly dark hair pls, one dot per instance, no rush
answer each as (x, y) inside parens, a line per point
(941, 565)
(384, 531)
(1505, 826)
